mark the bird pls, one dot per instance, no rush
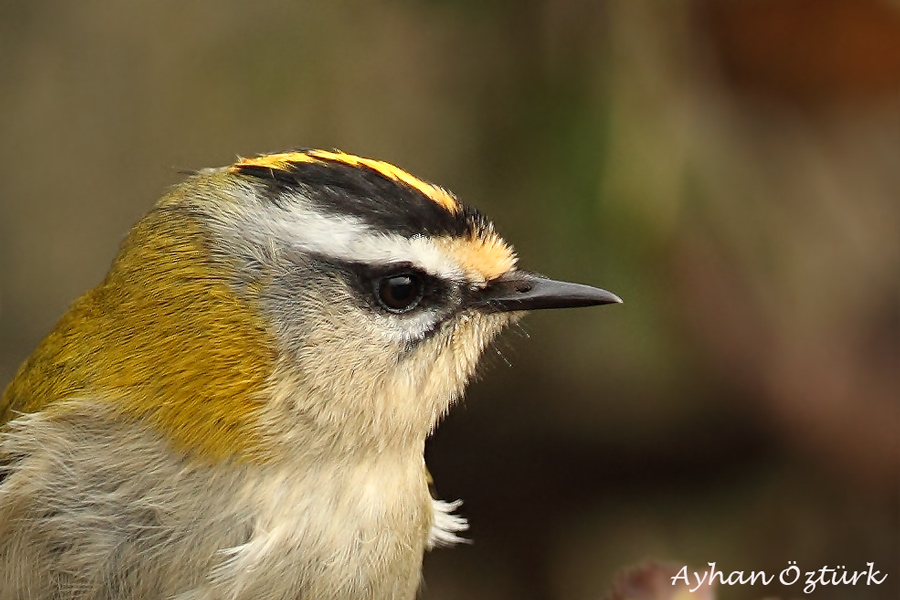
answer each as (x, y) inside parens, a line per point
(239, 409)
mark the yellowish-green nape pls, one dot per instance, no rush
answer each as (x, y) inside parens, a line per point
(112, 342)
(283, 161)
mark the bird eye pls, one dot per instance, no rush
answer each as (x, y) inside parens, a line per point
(400, 293)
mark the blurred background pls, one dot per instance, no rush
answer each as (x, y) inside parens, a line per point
(731, 168)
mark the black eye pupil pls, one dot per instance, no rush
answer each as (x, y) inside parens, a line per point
(400, 293)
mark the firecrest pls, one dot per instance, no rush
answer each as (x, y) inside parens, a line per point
(239, 410)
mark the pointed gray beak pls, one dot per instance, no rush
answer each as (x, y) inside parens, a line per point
(521, 290)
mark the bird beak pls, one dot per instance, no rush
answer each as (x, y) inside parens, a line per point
(521, 290)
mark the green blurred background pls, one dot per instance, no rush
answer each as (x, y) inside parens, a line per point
(730, 168)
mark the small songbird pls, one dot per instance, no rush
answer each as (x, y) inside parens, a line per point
(239, 410)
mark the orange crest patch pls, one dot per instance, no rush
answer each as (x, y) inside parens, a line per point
(484, 257)
(284, 160)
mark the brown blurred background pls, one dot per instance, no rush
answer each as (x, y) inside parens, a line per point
(730, 168)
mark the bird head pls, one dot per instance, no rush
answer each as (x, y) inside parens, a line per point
(303, 302)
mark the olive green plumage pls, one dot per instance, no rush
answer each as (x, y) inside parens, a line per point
(163, 339)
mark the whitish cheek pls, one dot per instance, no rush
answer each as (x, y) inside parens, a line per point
(470, 338)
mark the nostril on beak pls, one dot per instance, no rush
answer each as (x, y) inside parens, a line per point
(523, 286)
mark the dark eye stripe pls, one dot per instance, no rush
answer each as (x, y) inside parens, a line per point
(362, 277)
